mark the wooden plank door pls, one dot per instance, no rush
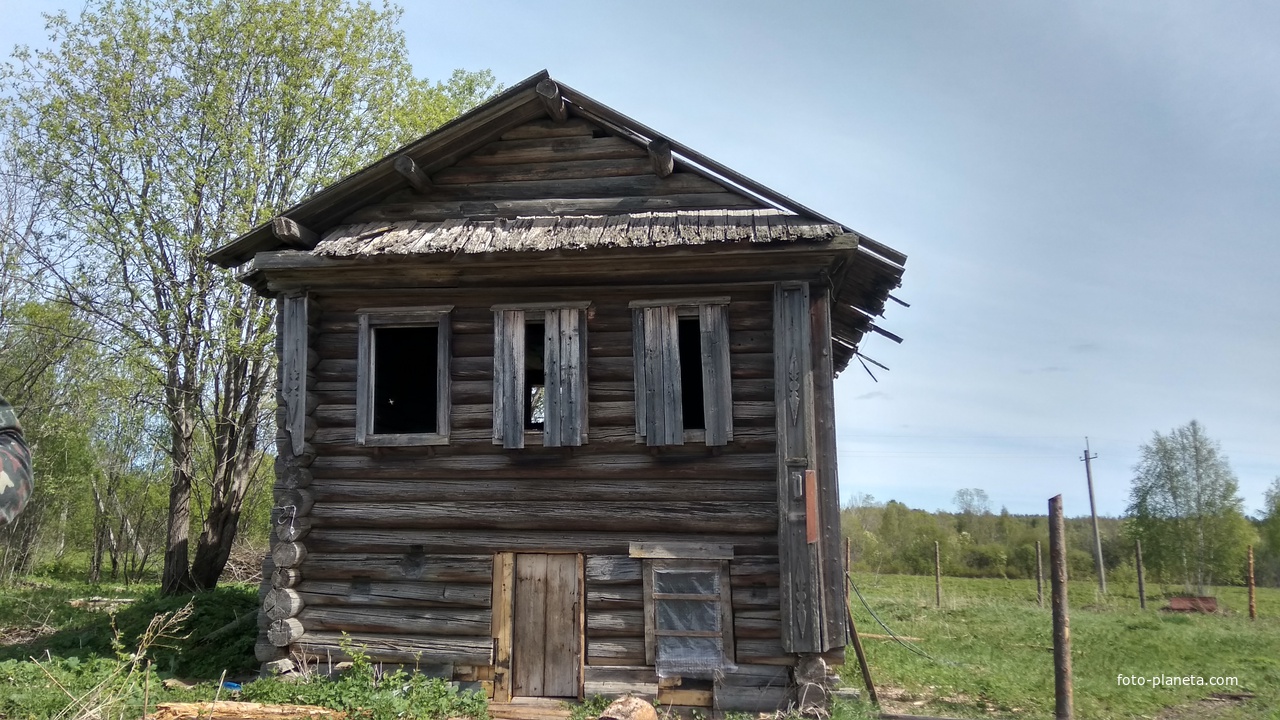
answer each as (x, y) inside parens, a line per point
(547, 626)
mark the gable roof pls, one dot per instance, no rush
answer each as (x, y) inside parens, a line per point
(373, 213)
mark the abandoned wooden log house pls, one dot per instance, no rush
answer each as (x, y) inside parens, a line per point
(556, 411)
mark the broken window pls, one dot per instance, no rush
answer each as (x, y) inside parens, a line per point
(681, 351)
(540, 374)
(688, 612)
(402, 376)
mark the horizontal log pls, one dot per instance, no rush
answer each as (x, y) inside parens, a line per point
(490, 208)
(288, 554)
(763, 651)
(265, 652)
(759, 571)
(353, 489)
(548, 129)
(400, 620)
(681, 697)
(407, 594)
(403, 567)
(293, 529)
(614, 598)
(283, 603)
(691, 517)
(488, 541)
(615, 623)
(513, 152)
(767, 699)
(612, 570)
(623, 650)
(294, 503)
(746, 627)
(621, 674)
(554, 170)
(673, 464)
(399, 648)
(755, 598)
(284, 632)
(604, 187)
(746, 675)
(285, 577)
(644, 691)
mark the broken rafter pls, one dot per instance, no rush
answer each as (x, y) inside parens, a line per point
(660, 154)
(291, 233)
(549, 92)
(414, 174)
(885, 333)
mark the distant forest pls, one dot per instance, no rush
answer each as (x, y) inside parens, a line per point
(892, 538)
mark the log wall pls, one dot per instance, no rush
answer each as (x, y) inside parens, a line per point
(395, 545)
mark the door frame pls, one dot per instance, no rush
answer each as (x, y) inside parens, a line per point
(503, 621)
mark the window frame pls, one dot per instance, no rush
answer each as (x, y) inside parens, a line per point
(512, 366)
(370, 319)
(656, 558)
(717, 385)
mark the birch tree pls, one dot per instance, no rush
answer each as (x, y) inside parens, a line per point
(1186, 508)
(162, 129)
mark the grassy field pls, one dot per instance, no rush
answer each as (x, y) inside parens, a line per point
(992, 651)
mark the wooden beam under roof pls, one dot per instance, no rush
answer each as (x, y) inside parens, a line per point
(660, 154)
(549, 92)
(291, 233)
(414, 174)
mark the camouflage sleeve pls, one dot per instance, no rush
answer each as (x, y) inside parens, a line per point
(15, 465)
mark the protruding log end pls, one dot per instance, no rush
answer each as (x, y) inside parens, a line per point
(282, 603)
(289, 554)
(660, 154)
(291, 233)
(552, 100)
(411, 172)
(285, 632)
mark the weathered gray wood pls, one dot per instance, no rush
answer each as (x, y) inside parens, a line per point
(614, 542)
(567, 514)
(398, 647)
(614, 597)
(286, 631)
(288, 231)
(547, 128)
(689, 464)
(660, 365)
(679, 183)
(508, 378)
(289, 474)
(410, 171)
(364, 380)
(615, 651)
(558, 169)
(801, 597)
(293, 367)
(294, 503)
(639, 374)
(681, 550)
(559, 149)
(757, 676)
(767, 699)
(285, 577)
(293, 529)
(660, 157)
(283, 603)
(585, 489)
(409, 566)
(412, 621)
(549, 93)
(529, 632)
(566, 374)
(289, 554)
(395, 594)
(483, 209)
(612, 569)
(717, 392)
(830, 556)
(563, 631)
(615, 623)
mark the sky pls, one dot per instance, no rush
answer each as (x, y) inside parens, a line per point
(1088, 194)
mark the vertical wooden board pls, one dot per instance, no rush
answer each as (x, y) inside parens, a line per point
(726, 613)
(294, 368)
(529, 627)
(672, 396)
(830, 556)
(650, 620)
(503, 597)
(444, 381)
(560, 660)
(580, 390)
(580, 568)
(552, 362)
(717, 392)
(638, 347)
(655, 419)
(364, 380)
(508, 378)
(571, 382)
(800, 587)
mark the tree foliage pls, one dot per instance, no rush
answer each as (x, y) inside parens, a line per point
(1186, 509)
(159, 130)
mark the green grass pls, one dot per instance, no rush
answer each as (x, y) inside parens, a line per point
(993, 650)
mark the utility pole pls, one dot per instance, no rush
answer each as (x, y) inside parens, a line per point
(1093, 510)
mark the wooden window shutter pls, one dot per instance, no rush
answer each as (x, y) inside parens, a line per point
(508, 378)
(566, 373)
(717, 394)
(659, 415)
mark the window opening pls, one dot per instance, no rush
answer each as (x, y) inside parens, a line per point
(405, 366)
(687, 621)
(535, 375)
(691, 401)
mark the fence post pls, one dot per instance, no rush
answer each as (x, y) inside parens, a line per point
(1142, 584)
(1063, 702)
(1039, 577)
(1253, 600)
(937, 574)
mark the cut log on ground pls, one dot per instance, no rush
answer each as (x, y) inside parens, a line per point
(226, 710)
